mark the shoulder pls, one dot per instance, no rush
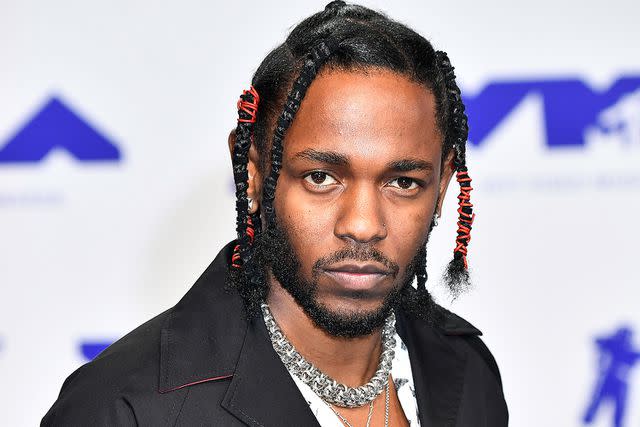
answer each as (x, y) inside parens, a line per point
(459, 330)
(483, 382)
(101, 392)
(143, 378)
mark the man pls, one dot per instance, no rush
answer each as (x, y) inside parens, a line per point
(344, 149)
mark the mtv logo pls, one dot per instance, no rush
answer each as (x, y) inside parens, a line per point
(571, 109)
(57, 126)
(621, 121)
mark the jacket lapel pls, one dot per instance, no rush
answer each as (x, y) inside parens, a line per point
(438, 371)
(262, 393)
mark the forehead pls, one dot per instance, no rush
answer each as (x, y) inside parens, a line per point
(377, 114)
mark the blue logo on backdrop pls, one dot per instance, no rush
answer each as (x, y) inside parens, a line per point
(616, 358)
(90, 349)
(56, 126)
(570, 107)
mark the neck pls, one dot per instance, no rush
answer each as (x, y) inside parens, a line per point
(350, 361)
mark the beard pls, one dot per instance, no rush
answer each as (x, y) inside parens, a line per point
(275, 250)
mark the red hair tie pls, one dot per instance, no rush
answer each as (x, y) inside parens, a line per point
(249, 107)
(235, 258)
(465, 220)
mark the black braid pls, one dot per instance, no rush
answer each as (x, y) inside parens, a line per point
(456, 276)
(244, 274)
(244, 132)
(346, 37)
(457, 126)
(421, 274)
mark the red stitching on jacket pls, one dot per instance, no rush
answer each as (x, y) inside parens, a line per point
(224, 377)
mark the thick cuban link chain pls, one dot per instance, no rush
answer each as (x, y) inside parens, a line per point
(327, 388)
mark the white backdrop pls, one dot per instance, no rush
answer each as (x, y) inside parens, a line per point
(90, 249)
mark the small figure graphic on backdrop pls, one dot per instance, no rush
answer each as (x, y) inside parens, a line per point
(617, 356)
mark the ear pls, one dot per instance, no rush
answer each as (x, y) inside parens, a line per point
(445, 179)
(254, 191)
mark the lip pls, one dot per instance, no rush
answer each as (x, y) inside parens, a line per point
(357, 276)
(356, 268)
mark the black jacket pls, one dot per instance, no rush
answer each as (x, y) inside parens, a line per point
(202, 363)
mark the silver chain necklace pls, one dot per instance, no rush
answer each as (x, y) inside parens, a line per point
(325, 387)
(386, 411)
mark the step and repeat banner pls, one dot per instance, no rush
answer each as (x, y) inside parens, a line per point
(116, 188)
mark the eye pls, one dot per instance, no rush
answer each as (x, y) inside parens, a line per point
(320, 179)
(404, 183)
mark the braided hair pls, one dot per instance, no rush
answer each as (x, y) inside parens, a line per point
(351, 38)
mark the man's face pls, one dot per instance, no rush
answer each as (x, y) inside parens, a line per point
(360, 183)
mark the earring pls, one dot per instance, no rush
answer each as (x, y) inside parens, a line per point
(435, 220)
(250, 203)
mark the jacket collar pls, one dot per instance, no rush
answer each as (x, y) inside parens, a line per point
(205, 339)
(438, 367)
(262, 392)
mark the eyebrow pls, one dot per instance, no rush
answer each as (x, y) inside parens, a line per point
(328, 157)
(408, 165)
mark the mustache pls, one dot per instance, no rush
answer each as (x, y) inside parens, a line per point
(356, 253)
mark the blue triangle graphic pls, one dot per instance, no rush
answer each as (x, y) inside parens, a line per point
(56, 126)
(90, 349)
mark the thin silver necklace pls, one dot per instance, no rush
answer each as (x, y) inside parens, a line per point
(386, 411)
(324, 386)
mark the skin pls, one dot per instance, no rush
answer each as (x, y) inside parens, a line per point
(361, 168)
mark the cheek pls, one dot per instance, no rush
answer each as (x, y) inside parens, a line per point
(308, 222)
(407, 228)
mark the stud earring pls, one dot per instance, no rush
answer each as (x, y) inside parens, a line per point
(435, 220)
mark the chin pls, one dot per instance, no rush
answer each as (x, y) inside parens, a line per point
(349, 318)
(351, 305)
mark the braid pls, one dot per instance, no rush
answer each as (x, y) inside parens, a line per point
(312, 64)
(243, 275)
(421, 273)
(418, 300)
(456, 275)
(247, 111)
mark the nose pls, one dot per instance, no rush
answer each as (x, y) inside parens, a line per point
(361, 217)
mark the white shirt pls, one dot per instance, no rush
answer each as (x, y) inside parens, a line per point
(402, 379)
